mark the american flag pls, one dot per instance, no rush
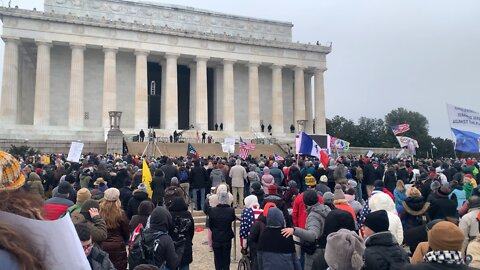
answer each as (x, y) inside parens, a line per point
(399, 129)
(245, 148)
(278, 157)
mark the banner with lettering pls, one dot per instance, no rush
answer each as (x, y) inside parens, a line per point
(463, 119)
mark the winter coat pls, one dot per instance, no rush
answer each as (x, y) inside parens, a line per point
(114, 245)
(35, 184)
(96, 225)
(381, 201)
(138, 197)
(260, 195)
(221, 218)
(169, 171)
(277, 175)
(280, 203)
(217, 177)
(342, 204)
(382, 252)
(369, 174)
(390, 179)
(322, 188)
(158, 186)
(399, 198)
(172, 192)
(290, 196)
(469, 225)
(85, 180)
(441, 207)
(254, 238)
(122, 177)
(459, 194)
(299, 211)
(276, 252)
(267, 179)
(402, 174)
(161, 221)
(415, 212)
(144, 210)
(473, 249)
(99, 259)
(55, 207)
(125, 195)
(312, 232)
(198, 177)
(238, 175)
(178, 208)
(356, 205)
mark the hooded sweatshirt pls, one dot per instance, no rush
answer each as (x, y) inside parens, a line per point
(267, 179)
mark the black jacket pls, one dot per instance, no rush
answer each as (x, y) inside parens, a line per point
(220, 219)
(390, 179)
(99, 260)
(158, 186)
(134, 202)
(441, 207)
(415, 212)
(178, 208)
(198, 177)
(125, 195)
(280, 203)
(383, 252)
(369, 174)
(169, 171)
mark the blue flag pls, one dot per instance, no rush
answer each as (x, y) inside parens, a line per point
(308, 146)
(466, 141)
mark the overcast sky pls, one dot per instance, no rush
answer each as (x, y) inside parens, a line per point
(386, 54)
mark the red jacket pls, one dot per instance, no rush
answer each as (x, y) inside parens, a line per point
(55, 207)
(299, 213)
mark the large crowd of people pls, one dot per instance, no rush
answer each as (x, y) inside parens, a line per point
(355, 212)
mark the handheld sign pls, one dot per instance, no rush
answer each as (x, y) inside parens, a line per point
(75, 152)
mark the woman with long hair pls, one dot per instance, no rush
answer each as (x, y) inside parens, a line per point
(118, 230)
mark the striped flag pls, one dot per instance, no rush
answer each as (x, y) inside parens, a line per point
(191, 152)
(278, 157)
(245, 148)
(399, 129)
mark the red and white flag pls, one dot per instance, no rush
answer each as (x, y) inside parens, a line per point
(245, 148)
(399, 129)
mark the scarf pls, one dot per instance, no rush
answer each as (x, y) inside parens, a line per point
(444, 256)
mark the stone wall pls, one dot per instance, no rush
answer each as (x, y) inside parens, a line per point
(54, 146)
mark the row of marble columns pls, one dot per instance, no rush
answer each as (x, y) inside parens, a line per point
(199, 98)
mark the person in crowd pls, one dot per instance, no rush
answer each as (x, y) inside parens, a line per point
(82, 196)
(399, 194)
(139, 195)
(86, 178)
(277, 174)
(382, 251)
(382, 201)
(350, 197)
(341, 202)
(322, 186)
(267, 179)
(144, 210)
(90, 216)
(158, 186)
(184, 228)
(141, 135)
(457, 194)
(97, 258)
(199, 179)
(469, 223)
(445, 241)
(100, 186)
(352, 247)
(390, 179)
(220, 221)
(290, 194)
(274, 197)
(415, 209)
(473, 250)
(441, 206)
(315, 222)
(238, 175)
(274, 250)
(257, 190)
(57, 206)
(169, 170)
(216, 176)
(175, 190)
(249, 215)
(35, 185)
(118, 230)
(417, 240)
(329, 200)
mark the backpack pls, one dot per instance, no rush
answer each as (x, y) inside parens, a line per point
(183, 176)
(143, 248)
(181, 226)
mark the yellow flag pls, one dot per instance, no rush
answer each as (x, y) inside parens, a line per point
(147, 178)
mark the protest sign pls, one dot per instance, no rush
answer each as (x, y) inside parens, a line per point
(75, 152)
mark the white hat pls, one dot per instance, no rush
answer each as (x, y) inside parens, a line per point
(438, 170)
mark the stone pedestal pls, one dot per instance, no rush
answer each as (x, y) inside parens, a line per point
(115, 135)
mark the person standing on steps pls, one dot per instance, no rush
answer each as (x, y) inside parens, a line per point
(204, 135)
(141, 135)
(221, 126)
(216, 126)
(262, 127)
(269, 128)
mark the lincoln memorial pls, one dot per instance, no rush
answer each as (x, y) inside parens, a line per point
(163, 66)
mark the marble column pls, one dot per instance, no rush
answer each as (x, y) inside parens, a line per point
(141, 90)
(299, 97)
(201, 97)
(41, 114)
(320, 124)
(8, 105)
(277, 100)
(109, 84)
(253, 97)
(308, 103)
(163, 89)
(228, 96)
(76, 108)
(171, 93)
(193, 101)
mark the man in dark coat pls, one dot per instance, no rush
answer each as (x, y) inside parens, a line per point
(441, 206)
(142, 135)
(198, 182)
(139, 195)
(382, 250)
(183, 228)
(368, 178)
(97, 258)
(158, 186)
(169, 170)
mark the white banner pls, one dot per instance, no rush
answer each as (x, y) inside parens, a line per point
(407, 141)
(228, 148)
(463, 119)
(75, 152)
(229, 141)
